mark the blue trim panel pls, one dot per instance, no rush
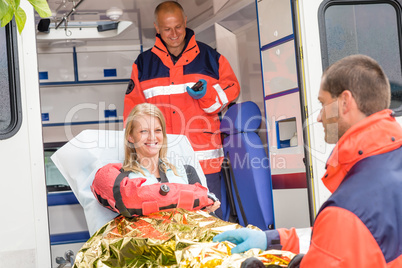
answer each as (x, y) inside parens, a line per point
(43, 75)
(85, 82)
(109, 72)
(59, 199)
(82, 123)
(278, 142)
(110, 113)
(45, 116)
(278, 42)
(69, 238)
(280, 94)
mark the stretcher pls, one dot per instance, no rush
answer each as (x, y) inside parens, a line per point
(80, 158)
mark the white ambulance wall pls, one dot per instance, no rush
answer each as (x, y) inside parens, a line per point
(289, 159)
(250, 71)
(24, 222)
(282, 104)
(313, 69)
(226, 43)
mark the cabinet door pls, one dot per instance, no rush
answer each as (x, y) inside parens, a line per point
(275, 20)
(82, 104)
(105, 65)
(56, 67)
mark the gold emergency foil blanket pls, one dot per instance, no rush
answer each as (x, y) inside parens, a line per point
(170, 238)
(208, 255)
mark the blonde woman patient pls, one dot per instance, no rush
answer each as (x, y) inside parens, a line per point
(146, 155)
(146, 147)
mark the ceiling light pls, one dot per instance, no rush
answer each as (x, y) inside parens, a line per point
(67, 43)
(114, 13)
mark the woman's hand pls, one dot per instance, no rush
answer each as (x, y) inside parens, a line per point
(213, 207)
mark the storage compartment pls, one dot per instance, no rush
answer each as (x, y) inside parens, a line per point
(102, 65)
(275, 23)
(82, 104)
(56, 67)
(279, 68)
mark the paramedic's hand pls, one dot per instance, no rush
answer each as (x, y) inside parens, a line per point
(213, 207)
(198, 94)
(244, 238)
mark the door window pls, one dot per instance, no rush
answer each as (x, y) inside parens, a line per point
(360, 27)
(10, 112)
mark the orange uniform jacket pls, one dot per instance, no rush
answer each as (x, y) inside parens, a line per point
(155, 79)
(360, 225)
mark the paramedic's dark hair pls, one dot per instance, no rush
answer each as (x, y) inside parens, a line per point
(168, 6)
(364, 78)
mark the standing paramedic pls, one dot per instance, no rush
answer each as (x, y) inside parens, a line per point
(165, 75)
(360, 225)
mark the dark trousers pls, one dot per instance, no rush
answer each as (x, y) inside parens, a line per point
(214, 186)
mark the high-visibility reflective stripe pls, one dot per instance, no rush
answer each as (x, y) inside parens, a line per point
(209, 154)
(213, 107)
(222, 95)
(217, 105)
(166, 90)
(180, 89)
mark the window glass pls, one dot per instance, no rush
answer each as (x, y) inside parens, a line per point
(10, 103)
(369, 29)
(5, 111)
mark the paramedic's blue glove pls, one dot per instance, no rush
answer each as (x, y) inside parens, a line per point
(198, 94)
(244, 238)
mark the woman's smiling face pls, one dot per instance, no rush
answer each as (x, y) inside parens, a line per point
(147, 136)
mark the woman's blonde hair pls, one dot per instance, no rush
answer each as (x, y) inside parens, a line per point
(131, 158)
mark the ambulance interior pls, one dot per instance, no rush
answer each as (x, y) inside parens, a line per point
(85, 52)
